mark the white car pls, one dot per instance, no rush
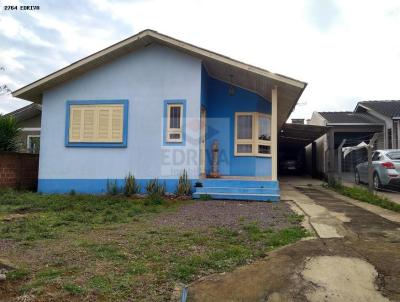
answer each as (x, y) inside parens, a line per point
(386, 169)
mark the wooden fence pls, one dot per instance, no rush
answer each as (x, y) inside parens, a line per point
(19, 170)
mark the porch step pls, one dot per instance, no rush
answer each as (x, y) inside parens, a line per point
(237, 189)
(239, 196)
(223, 182)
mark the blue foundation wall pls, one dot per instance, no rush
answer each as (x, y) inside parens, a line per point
(96, 186)
(221, 108)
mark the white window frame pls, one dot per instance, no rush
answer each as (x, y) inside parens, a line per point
(254, 141)
(28, 137)
(174, 130)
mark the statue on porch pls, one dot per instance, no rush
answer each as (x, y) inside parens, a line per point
(214, 167)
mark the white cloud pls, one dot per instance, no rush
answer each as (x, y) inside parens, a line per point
(14, 29)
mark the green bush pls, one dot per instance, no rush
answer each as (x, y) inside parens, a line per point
(184, 187)
(154, 187)
(9, 131)
(131, 186)
(112, 187)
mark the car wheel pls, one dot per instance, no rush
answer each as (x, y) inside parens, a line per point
(357, 178)
(377, 182)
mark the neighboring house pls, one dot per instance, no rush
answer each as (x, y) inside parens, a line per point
(389, 113)
(155, 106)
(355, 127)
(28, 118)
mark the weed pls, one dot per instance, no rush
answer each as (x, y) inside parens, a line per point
(155, 187)
(295, 218)
(112, 187)
(184, 187)
(131, 186)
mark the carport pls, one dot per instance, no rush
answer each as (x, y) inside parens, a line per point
(293, 139)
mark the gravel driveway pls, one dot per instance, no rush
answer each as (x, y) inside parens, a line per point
(231, 214)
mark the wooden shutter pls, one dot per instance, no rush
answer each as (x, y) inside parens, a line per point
(117, 120)
(89, 124)
(75, 126)
(104, 124)
(96, 123)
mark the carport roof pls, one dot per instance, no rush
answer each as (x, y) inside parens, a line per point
(301, 134)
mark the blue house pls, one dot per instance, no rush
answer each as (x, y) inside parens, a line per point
(155, 106)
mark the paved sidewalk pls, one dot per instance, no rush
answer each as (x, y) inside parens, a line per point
(354, 257)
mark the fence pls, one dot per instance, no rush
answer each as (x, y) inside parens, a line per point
(19, 170)
(353, 158)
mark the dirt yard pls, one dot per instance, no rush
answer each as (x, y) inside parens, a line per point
(357, 259)
(116, 248)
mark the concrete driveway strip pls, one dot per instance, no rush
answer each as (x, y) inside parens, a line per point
(355, 257)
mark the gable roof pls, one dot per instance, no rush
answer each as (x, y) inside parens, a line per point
(349, 117)
(389, 108)
(26, 112)
(243, 75)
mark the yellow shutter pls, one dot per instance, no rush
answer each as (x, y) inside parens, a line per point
(104, 124)
(117, 124)
(75, 124)
(89, 131)
(96, 123)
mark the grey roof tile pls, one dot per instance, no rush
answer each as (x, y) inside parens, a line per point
(390, 108)
(349, 117)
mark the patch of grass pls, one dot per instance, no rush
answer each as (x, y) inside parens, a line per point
(48, 216)
(106, 252)
(110, 248)
(99, 283)
(48, 275)
(231, 248)
(73, 289)
(18, 274)
(295, 218)
(364, 195)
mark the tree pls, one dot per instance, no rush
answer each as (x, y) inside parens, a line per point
(9, 131)
(4, 88)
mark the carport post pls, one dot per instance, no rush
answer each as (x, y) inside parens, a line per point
(339, 158)
(370, 168)
(274, 132)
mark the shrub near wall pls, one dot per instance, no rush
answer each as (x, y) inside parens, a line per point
(19, 170)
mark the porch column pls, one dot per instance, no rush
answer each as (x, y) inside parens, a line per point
(274, 132)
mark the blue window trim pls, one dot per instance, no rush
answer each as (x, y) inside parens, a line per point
(174, 102)
(96, 144)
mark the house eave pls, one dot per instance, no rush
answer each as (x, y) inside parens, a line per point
(33, 91)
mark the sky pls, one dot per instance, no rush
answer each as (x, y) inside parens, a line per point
(346, 50)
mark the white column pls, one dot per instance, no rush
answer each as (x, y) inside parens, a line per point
(274, 132)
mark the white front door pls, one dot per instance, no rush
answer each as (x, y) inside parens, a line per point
(203, 142)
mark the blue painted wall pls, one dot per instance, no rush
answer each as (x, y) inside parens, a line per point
(145, 78)
(221, 108)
